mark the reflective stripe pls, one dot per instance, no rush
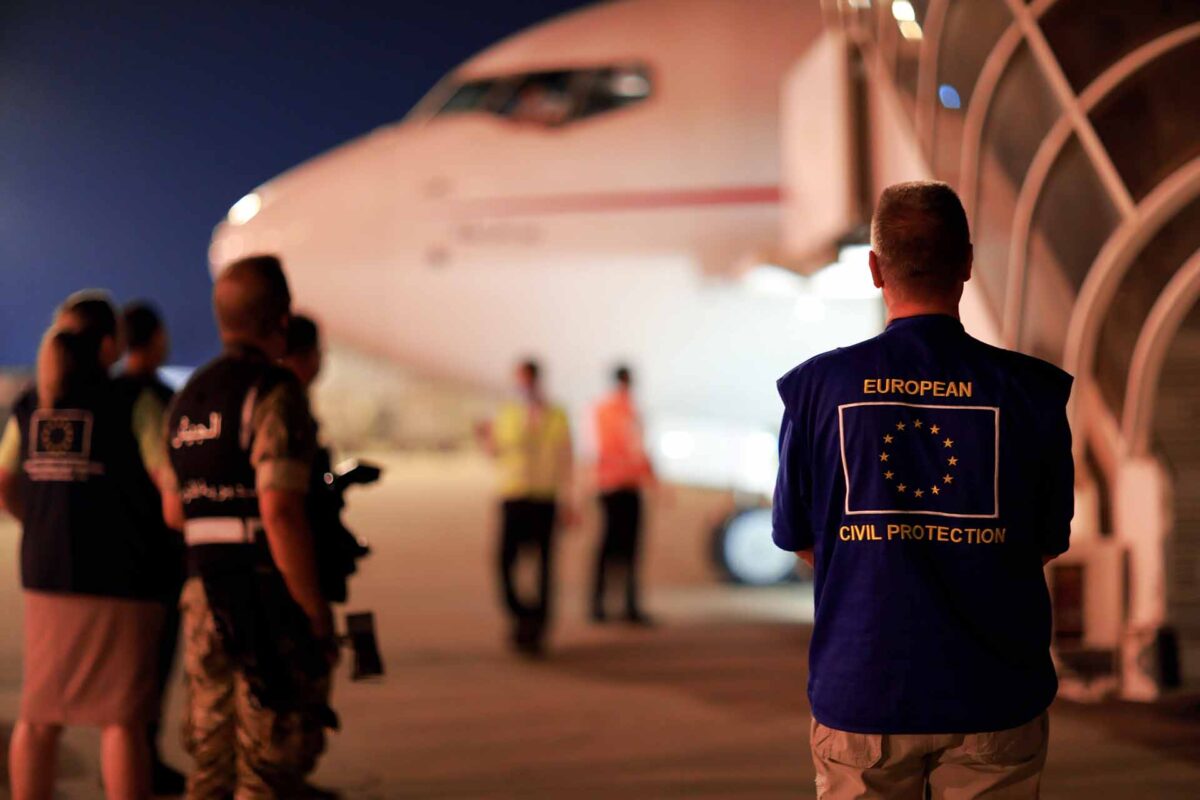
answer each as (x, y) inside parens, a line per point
(221, 530)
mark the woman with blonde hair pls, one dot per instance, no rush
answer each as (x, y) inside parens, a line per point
(91, 530)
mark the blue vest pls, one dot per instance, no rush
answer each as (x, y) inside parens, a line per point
(93, 520)
(929, 473)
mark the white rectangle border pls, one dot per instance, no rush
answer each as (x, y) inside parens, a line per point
(995, 472)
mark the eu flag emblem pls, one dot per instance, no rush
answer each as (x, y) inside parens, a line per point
(903, 458)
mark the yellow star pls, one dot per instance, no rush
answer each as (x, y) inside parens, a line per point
(947, 479)
(901, 487)
(935, 489)
(918, 492)
(948, 442)
(917, 424)
(934, 429)
(887, 476)
(883, 456)
(899, 426)
(953, 461)
(887, 438)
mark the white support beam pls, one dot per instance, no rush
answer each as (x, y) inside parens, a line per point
(1052, 71)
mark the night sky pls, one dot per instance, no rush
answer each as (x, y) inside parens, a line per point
(127, 130)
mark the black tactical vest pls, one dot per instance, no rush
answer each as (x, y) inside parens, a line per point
(209, 436)
(93, 521)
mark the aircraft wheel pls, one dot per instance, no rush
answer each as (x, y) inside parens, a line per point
(744, 552)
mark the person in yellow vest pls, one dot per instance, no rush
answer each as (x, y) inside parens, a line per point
(530, 438)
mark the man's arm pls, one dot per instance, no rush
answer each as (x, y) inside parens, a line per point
(149, 429)
(282, 454)
(285, 520)
(172, 508)
(791, 529)
(10, 495)
(10, 468)
(1058, 481)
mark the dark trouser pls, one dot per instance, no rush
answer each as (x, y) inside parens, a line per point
(619, 548)
(168, 645)
(527, 526)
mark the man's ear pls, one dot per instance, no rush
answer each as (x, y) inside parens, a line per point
(969, 264)
(876, 275)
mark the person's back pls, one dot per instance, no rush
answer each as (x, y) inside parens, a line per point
(928, 476)
(82, 467)
(257, 632)
(937, 480)
(90, 534)
(529, 442)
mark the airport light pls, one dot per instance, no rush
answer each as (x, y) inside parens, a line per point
(848, 278)
(677, 445)
(808, 308)
(949, 97)
(903, 11)
(769, 279)
(245, 209)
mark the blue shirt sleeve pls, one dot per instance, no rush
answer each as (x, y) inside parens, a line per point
(791, 528)
(1058, 483)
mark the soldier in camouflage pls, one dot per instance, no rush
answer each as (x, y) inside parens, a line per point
(258, 635)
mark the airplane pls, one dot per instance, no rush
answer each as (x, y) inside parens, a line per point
(604, 187)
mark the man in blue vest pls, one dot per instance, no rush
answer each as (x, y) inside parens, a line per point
(258, 634)
(927, 477)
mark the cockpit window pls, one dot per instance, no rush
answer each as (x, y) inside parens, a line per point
(553, 97)
(470, 96)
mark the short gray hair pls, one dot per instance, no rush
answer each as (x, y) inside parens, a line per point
(919, 232)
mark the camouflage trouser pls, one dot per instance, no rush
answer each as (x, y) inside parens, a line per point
(241, 751)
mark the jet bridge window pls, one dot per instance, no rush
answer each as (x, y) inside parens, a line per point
(553, 97)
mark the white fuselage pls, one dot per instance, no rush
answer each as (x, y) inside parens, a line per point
(523, 223)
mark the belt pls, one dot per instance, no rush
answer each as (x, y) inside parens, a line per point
(221, 530)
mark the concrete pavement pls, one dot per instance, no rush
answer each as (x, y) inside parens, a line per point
(709, 704)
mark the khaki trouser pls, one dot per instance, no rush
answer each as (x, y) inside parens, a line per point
(241, 750)
(1002, 765)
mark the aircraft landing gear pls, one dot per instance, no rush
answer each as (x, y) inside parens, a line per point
(744, 552)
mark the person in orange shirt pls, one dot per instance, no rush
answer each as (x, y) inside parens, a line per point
(622, 470)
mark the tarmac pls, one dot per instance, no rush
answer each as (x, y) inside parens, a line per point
(709, 703)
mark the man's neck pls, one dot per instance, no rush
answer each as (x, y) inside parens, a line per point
(139, 365)
(243, 344)
(899, 309)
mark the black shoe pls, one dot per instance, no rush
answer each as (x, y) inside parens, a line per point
(528, 637)
(640, 619)
(598, 616)
(165, 780)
